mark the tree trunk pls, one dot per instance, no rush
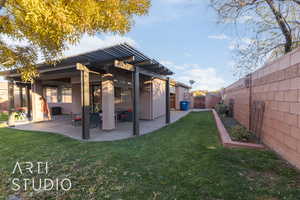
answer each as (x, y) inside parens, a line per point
(283, 26)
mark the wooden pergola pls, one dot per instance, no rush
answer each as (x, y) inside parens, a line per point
(103, 63)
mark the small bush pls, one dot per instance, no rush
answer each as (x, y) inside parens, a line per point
(240, 133)
(222, 109)
(3, 116)
(19, 114)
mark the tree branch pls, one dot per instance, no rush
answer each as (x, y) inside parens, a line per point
(283, 26)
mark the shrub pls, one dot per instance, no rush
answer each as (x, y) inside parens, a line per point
(240, 133)
(19, 114)
(3, 116)
(222, 109)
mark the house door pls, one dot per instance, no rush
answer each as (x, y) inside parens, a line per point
(172, 101)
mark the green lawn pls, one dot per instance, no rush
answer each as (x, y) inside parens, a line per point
(181, 161)
(3, 117)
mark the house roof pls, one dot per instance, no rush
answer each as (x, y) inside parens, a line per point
(116, 52)
(177, 83)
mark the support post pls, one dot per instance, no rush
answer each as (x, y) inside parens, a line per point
(85, 104)
(136, 103)
(36, 94)
(28, 102)
(11, 103)
(108, 103)
(21, 96)
(168, 100)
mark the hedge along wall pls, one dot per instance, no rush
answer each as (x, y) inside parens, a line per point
(278, 85)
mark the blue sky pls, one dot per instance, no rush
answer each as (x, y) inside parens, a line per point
(182, 35)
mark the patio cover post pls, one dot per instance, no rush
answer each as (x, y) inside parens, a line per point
(108, 105)
(11, 102)
(136, 103)
(168, 100)
(21, 95)
(36, 94)
(28, 101)
(85, 100)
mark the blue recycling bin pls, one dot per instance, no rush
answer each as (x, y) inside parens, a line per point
(184, 105)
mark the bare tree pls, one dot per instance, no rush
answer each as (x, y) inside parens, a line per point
(273, 29)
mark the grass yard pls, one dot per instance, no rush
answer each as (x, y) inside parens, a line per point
(181, 161)
(3, 117)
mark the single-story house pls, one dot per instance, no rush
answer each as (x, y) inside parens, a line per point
(178, 92)
(107, 81)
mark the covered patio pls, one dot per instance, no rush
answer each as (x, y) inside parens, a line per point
(62, 125)
(98, 89)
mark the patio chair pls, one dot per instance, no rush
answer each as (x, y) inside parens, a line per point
(76, 119)
(95, 120)
(126, 116)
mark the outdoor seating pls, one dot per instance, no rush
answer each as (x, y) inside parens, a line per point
(95, 120)
(126, 116)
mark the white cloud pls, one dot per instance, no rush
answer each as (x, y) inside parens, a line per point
(206, 78)
(241, 43)
(240, 20)
(219, 37)
(90, 43)
(187, 54)
(245, 19)
(172, 66)
(87, 43)
(13, 42)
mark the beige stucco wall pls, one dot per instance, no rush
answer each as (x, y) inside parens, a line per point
(146, 100)
(158, 98)
(4, 96)
(37, 92)
(182, 94)
(152, 98)
(76, 99)
(66, 108)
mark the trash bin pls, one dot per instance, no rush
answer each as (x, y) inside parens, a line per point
(184, 105)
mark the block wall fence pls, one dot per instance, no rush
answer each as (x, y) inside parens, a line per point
(278, 85)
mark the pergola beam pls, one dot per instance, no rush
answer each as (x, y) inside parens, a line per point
(152, 74)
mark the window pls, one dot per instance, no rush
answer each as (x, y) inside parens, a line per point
(51, 94)
(66, 95)
(58, 94)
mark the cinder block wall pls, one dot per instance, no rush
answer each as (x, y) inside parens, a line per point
(278, 85)
(241, 96)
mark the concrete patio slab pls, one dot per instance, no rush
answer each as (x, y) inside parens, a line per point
(64, 126)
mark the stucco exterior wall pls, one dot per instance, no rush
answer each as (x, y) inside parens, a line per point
(66, 108)
(159, 98)
(76, 99)
(4, 96)
(182, 94)
(278, 85)
(36, 94)
(146, 100)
